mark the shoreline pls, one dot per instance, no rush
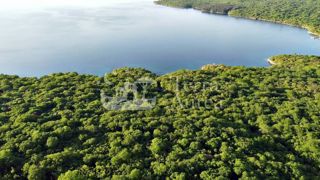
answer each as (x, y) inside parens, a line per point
(315, 35)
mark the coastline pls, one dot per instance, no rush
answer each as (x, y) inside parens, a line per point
(308, 29)
(315, 35)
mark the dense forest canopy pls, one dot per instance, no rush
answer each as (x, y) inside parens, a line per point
(303, 13)
(220, 122)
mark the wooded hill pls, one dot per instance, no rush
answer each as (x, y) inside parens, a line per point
(258, 123)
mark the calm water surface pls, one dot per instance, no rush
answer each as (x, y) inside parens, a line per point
(96, 36)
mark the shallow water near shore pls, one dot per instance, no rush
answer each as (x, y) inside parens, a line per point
(96, 36)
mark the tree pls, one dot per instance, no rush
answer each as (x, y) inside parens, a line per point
(52, 142)
(72, 175)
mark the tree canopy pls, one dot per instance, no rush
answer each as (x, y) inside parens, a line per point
(220, 122)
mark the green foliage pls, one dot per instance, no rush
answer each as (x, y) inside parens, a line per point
(303, 13)
(72, 175)
(258, 123)
(52, 142)
(157, 145)
(36, 172)
(6, 158)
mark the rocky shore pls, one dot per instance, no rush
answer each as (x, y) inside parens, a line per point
(222, 9)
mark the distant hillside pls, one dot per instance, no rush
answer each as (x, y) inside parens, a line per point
(302, 13)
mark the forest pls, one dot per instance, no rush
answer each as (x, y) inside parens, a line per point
(302, 13)
(220, 122)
